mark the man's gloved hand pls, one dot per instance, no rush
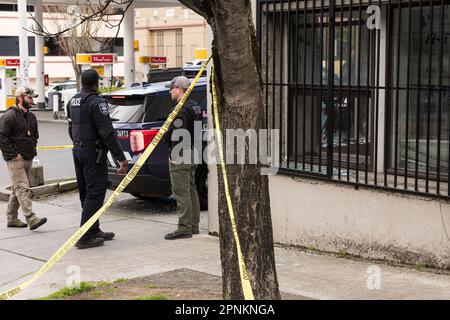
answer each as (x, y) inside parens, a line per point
(123, 167)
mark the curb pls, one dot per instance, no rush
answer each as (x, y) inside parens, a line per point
(53, 121)
(52, 187)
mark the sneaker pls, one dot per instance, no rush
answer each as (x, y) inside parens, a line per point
(91, 242)
(36, 222)
(177, 235)
(104, 235)
(16, 223)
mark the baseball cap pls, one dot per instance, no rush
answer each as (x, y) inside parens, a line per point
(89, 77)
(180, 82)
(25, 91)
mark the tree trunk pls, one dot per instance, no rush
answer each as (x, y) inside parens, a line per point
(239, 88)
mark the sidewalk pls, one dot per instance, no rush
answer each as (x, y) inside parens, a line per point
(140, 250)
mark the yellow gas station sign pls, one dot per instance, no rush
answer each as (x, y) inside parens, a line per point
(84, 58)
(145, 59)
(201, 54)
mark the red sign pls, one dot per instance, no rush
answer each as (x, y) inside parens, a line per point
(158, 60)
(102, 58)
(13, 62)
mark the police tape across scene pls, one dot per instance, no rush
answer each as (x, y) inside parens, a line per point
(54, 148)
(245, 281)
(69, 244)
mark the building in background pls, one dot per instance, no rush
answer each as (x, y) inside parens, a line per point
(174, 33)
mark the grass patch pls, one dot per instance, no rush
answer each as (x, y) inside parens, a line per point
(342, 254)
(121, 280)
(67, 292)
(109, 290)
(151, 286)
(155, 297)
(96, 293)
(420, 266)
(102, 284)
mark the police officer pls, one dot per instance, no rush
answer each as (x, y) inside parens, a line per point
(182, 173)
(92, 133)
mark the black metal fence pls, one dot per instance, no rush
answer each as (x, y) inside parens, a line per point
(360, 90)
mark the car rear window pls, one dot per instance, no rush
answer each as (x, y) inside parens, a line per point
(159, 107)
(126, 109)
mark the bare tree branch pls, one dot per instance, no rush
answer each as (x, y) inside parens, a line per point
(80, 38)
(97, 15)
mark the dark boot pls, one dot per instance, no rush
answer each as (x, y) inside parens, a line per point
(178, 235)
(105, 235)
(195, 230)
(90, 242)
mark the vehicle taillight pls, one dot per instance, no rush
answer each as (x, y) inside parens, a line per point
(140, 139)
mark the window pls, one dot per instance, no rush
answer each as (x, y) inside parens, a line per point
(10, 46)
(308, 102)
(170, 12)
(105, 45)
(179, 45)
(13, 7)
(360, 105)
(126, 109)
(419, 102)
(159, 107)
(160, 43)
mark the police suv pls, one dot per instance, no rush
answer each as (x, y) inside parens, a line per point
(137, 114)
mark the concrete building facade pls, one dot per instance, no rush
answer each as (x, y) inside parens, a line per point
(363, 166)
(174, 33)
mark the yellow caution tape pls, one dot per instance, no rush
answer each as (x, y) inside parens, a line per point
(54, 147)
(245, 281)
(128, 178)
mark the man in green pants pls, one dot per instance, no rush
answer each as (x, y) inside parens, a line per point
(181, 162)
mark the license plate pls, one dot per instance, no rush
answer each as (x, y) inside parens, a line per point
(123, 134)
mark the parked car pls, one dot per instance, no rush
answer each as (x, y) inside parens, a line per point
(191, 68)
(195, 63)
(65, 88)
(138, 113)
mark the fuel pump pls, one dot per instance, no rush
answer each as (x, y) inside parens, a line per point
(9, 70)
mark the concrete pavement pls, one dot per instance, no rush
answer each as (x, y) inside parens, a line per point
(140, 250)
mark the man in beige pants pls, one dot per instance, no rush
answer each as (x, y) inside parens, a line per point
(18, 141)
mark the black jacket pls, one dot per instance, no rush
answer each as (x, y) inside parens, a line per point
(14, 139)
(89, 122)
(185, 119)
